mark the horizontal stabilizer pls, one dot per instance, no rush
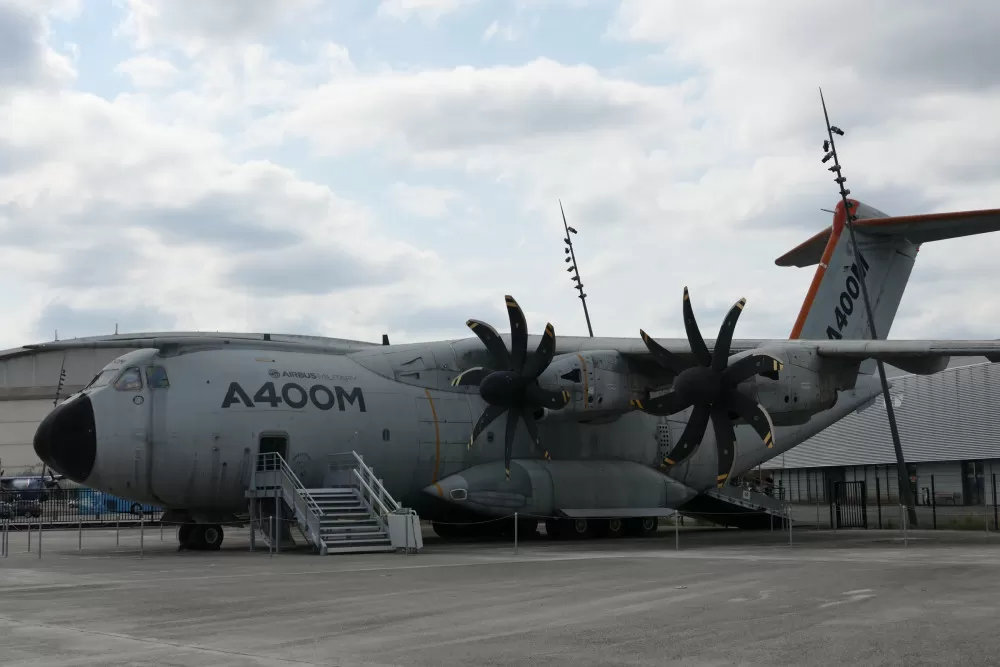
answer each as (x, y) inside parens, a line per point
(916, 229)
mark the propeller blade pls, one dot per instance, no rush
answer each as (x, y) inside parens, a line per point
(725, 439)
(489, 415)
(720, 355)
(491, 339)
(691, 437)
(543, 398)
(753, 414)
(518, 334)
(508, 445)
(698, 347)
(543, 354)
(665, 404)
(529, 423)
(663, 356)
(471, 377)
(747, 367)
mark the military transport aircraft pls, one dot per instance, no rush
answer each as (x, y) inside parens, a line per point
(612, 430)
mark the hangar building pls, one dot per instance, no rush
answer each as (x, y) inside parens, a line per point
(949, 427)
(949, 424)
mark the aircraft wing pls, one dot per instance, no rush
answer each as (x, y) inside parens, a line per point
(288, 343)
(915, 355)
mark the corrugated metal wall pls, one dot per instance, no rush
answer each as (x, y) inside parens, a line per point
(951, 416)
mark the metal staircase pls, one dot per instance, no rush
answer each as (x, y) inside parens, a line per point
(352, 513)
(737, 506)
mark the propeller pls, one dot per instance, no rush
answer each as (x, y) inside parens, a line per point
(510, 383)
(710, 385)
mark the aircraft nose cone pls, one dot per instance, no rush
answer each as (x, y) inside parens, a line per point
(66, 440)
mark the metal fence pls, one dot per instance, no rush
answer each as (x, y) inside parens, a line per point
(71, 506)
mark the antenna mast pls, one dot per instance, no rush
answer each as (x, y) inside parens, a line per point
(571, 258)
(830, 148)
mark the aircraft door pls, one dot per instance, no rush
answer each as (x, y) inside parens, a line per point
(272, 443)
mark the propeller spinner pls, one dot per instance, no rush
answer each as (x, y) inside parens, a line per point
(510, 383)
(710, 385)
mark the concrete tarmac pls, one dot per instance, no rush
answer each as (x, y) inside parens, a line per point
(725, 598)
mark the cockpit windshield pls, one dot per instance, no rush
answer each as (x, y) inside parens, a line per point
(131, 380)
(103, 378)
(156, 377)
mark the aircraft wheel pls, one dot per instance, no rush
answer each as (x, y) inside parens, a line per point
(614, 528)
(210, 537)
(642, 526)
(185, 535)
(580, 528)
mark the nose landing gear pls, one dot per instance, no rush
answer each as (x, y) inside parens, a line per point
(200, 537)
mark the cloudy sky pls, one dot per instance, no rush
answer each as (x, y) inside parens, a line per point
(354, 167)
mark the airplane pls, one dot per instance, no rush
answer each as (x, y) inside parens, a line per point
(28, 487)
(593, 435)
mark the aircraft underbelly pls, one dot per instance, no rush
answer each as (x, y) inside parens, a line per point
(553, 488)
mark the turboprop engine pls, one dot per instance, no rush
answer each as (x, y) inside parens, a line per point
(598, 382)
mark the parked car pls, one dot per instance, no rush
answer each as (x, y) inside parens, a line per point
(20, 507)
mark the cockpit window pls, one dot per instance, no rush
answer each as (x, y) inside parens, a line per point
(156, 377)
(103, 378)
(131, 380)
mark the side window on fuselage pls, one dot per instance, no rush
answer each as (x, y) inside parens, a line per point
(131, 380)
(156, 377)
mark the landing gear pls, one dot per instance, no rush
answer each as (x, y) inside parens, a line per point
(642, 527)
(610, 528)
(200, 536)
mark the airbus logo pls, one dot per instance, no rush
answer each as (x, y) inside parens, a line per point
(301, 375)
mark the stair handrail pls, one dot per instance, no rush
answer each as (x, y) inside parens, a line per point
(297, 495)
(375, 486)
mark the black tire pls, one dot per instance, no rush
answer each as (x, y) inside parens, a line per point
(210, 536)
(614, 527)
(185, 533)
(645, 526)
(580, 528)
(136, 509)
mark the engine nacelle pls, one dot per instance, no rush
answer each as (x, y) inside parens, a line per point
(801, 389)
(598, 382)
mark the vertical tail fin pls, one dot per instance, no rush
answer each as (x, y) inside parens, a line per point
(888, 246)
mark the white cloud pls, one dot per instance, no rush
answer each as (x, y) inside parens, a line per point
(195, 26)
(428, 11)
(423, 201)
(505, 31)
(696, 162)
(149, 71)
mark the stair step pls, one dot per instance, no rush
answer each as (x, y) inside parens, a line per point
(359, 549)
(332, 491)
(345, 522)
(353, 536)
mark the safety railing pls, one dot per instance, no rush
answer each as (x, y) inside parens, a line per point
(349, 469)
(272, 473)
